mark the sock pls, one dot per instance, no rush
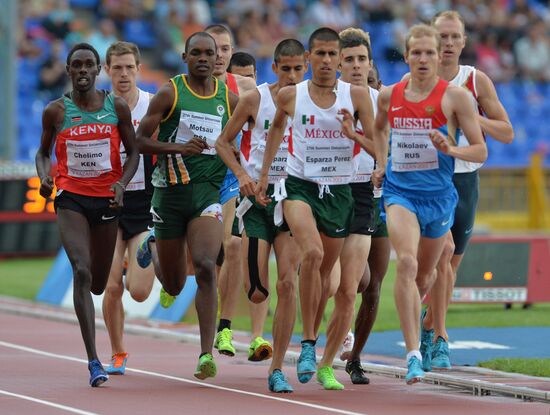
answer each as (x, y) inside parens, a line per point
(414, 353)
(202, 354)
(224, 324)
(312, 342)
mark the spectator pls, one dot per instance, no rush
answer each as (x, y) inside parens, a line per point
(53, 76)
(103, 38)
(533, 53)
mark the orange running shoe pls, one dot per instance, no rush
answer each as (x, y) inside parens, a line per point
(118, 364)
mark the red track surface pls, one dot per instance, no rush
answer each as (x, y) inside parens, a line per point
(159, 380)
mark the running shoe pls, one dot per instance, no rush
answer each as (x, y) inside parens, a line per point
(223, 342)
(440, 355)
(426, 344)
(97, 373)
(166, 300)
(259, 350)
(143, 253)
(347, 346)
(356, 373)
(118, 364)
(415, 372)
(325, 376)
(278, 383)
(206, 368)
(307, 363)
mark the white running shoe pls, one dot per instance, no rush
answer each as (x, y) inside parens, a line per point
(347, 346)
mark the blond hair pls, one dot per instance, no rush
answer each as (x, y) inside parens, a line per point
(451, 15)
(422, 30)
(352, 37)
(122, 48)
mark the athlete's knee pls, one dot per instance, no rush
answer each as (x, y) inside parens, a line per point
(204, 268)
(313, 256)
(82, 277)
(114, 290)
(407, 264)
(286, 288)
(139, 294)
(232, 246)
(372, 293)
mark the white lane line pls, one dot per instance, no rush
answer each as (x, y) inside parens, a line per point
(193, 382)
(54, 405)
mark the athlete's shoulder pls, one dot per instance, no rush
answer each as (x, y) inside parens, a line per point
(244, 83)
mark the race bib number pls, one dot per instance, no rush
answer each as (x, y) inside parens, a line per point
(205, 126)
(138, 181)
(277, 171)
(88, 158)
(329, 163)
(412, 150)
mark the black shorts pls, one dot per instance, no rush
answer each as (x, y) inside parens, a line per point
(467, 187)
(365, 214)
(136, 214)
(95, 209)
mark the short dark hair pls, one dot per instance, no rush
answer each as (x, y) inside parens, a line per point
(352, 37)
(288, 47)
(241, 59)
(324, 34)
(220, 29)
(122, 48)
(200, 34)
(83, 46)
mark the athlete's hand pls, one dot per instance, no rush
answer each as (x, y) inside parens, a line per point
(118, 201)
(46, 187)
(378, 176)
(247, 186)
(440, 141)
(347, 123)
(260, 191)
(194, 146)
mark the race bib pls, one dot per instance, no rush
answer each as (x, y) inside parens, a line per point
(138, 181)
(327, 162)
(88, 158)
(205, 126)
(277, 171)
(364, 167)
(413, 150)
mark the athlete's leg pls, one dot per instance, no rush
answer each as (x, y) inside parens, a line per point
(113, 310)
(328, 289)
(172, 255)
(139, 281)
(204, 236)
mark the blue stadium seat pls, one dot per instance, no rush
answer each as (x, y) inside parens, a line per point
(140, 32)
(84, 4)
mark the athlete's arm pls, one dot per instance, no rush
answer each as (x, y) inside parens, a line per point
(362, 103)
(52, 118)
(128, 137)
(246, 110)
(284, 102)
(496, 122)
(380, 135)
(160, 107)
(244, 83)
(455, 104)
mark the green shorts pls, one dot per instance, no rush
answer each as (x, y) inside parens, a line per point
(259, 220)
(333, 212)
(173, 207)
(380, 228)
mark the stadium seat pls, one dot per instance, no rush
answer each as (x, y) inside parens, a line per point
(140, 32)
(84, 4)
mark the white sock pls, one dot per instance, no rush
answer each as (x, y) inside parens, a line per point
(414, 353)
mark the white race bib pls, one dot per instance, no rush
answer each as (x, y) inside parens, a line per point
(138, 181)
(365, 167)
(277, 171)
(328, 162)
(90, 158)
(205, 126)
(412, 150)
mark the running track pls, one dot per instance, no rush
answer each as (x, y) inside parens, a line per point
(43, 372)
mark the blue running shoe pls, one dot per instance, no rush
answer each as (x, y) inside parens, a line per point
(415, 372)
(118, 364)
(97, 373)
(307, 363)
(278, 383)
(440, 355)
(426, 344)
(143, 253)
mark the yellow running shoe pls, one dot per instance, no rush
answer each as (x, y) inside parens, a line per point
(223, 342)
(259, 350)
(325, 376)
(206, 368)
(166, 300)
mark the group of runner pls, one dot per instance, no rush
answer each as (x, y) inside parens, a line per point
(157, 179)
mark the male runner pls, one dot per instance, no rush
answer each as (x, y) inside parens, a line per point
(123, 65)
(243, 64)
(191, 110)
(494, 121)
(319, 205)
(230, 276)
(257, 108)
(87, 126)
(424, 114)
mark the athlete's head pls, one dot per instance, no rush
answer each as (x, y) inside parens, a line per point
(324, 53)
(224, 40)
(243, 64)
(355, 56)
(122, 65)
(200, 55)
(374, 78)
(422, 51)
(450, 26)
(289, 62)
(83, 66)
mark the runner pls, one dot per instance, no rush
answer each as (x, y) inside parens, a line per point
(123, 65)
(243, 64)
(191, 110)
(494, 121)
(319, 204)
(230, 275)
(87, 126)
(424, 114)
(260, 233)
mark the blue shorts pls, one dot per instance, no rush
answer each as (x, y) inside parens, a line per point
(435, 215)
(229, 188)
